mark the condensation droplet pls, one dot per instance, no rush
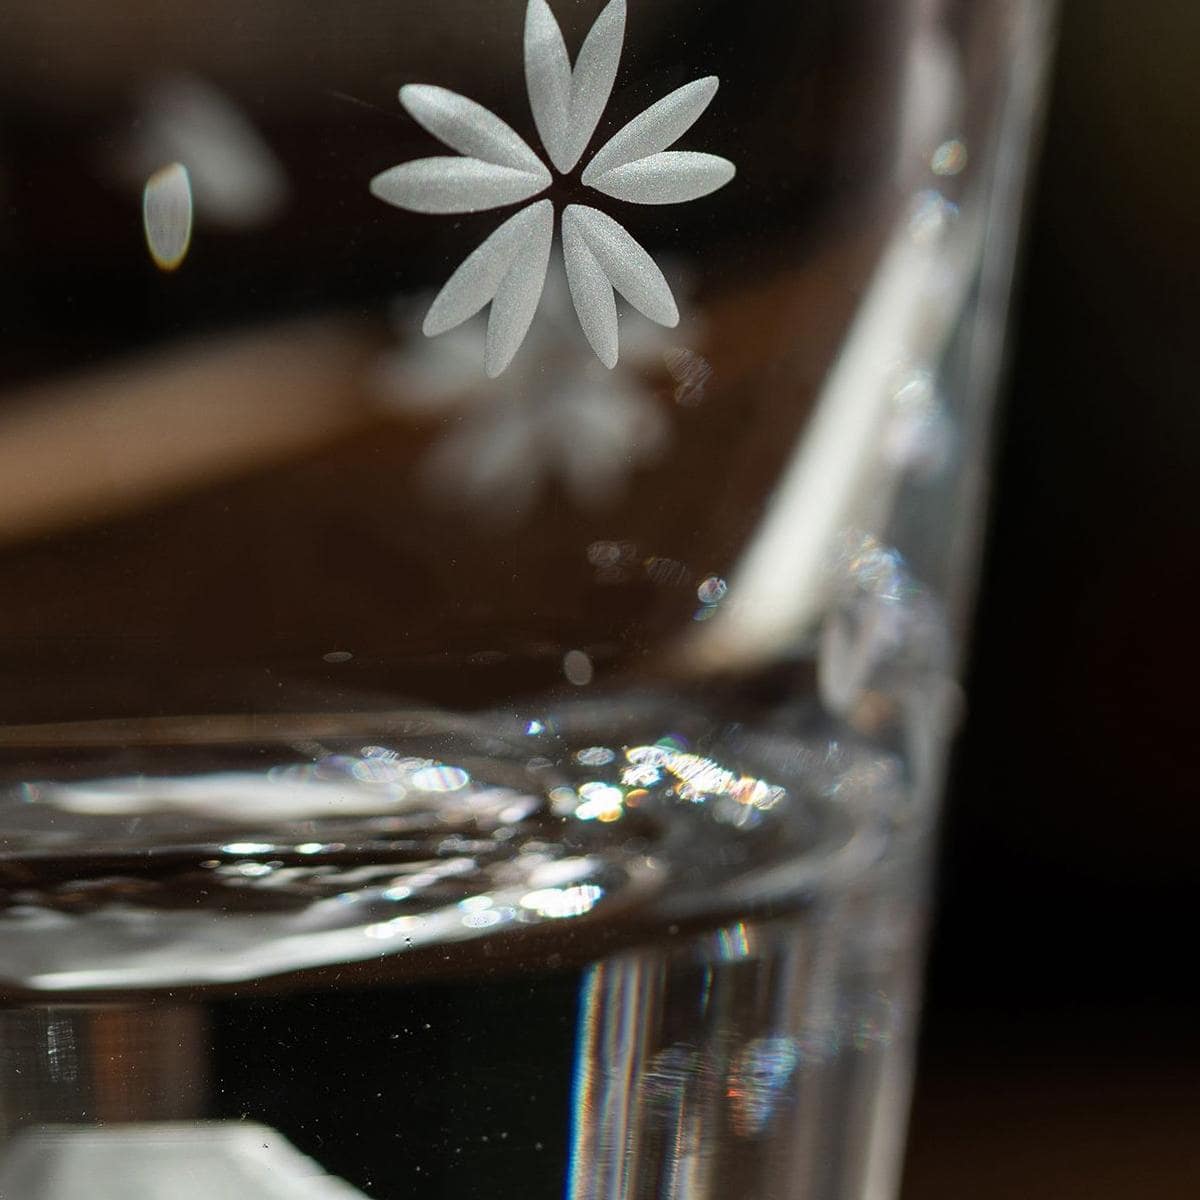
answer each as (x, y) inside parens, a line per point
(595, 756)
(338, 656)
(167, 215)
(577, 667)
(950, 158)
(713, 590)
(563, 801)
(611, 554)
(604, 554)
(440, 778)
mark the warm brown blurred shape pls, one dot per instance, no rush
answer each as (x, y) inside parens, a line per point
(80, 451)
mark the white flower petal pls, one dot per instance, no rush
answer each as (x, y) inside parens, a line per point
(592, 81)
(480, 277)
(470, 128)
(454, 185)
(592, 292)
(520, 290)
(625, 264)
(674, 177)
(548, 78)
(660, 126)
(567, 105)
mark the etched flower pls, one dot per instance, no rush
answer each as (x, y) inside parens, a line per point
(556, 415)
(495, 167)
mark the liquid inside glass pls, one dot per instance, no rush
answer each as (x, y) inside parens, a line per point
(666, 957)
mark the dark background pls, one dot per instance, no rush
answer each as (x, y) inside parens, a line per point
(1060, 1046)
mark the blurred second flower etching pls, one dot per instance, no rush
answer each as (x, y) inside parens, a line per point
(557, 415)
(496, 167)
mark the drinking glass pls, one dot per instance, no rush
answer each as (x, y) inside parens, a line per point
(488, 506)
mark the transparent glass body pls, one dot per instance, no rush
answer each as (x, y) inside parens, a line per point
(488, 505)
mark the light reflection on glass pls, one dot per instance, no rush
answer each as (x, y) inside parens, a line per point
(950, 158)
(600, 802)
(247, 848)
(483, 920)
(642, 776)
(562, 903)
(62, 1053)
(919, 435)
(563, 801)
(733, 943)
(698, 778)
(595, 756)
(383, 771)
(167, 216)
(185, 1160)
(250, 870)
(758, 1080)
(393, 928)
(929, 217)
(379, 752)
(440, 778)
(520, 810)
(609, 1063)
(883, 645)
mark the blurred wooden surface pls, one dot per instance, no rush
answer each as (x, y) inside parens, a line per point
(1055, 1130)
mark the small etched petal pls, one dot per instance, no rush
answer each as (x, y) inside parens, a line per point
(674, 177)
(660, 126)
(592, 81)
(454, 185)
(517, 296)
(548, 79)
(470, 128)
(480, 276)
(626, 265)
(595, 302)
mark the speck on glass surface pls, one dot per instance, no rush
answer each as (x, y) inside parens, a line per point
(487, 502)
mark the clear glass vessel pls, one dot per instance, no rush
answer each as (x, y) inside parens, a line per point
(488, 503)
